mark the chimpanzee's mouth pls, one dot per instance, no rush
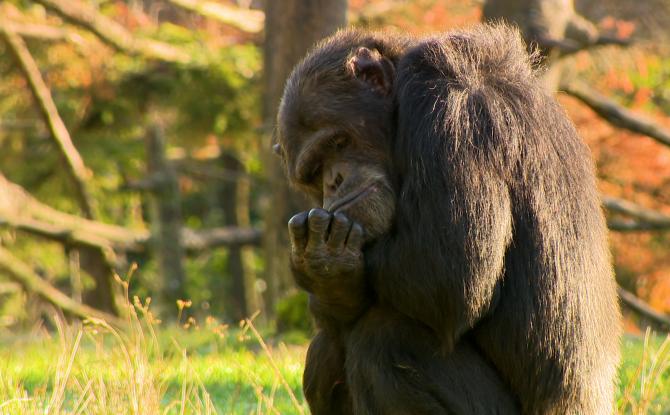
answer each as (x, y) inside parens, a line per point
(350, 199)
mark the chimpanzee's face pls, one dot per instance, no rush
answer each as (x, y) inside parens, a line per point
(333, 134)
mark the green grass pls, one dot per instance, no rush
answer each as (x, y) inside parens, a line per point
(644, 375)
(151, 369)
(235, 376)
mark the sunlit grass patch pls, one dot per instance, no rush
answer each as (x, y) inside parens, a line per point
(645, 375)
(91, 371)
(147, 368)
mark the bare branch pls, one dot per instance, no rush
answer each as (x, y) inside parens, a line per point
(93, 234)
(42, 31)
(21, 273)
(620, 225)
(643, 219)
(250, 21)
(604, 40)
(224, 236)
(615, 113)
(569, 47)
(19, 210)
(99, 262)
(109, 31)
(78, 172)
(632, 301)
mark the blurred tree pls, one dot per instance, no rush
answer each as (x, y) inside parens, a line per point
(291, 28)
(92, 260)
(552, 25)
(233, 197)
(166, 217)
(156, 62)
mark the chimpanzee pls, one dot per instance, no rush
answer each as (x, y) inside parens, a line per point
(458, 261)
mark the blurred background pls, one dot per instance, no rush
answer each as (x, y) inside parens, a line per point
(136, 169)
(138, 132)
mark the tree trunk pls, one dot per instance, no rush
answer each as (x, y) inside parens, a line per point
(227, 199)
(291, 28)
(166, 220)
(253, 300)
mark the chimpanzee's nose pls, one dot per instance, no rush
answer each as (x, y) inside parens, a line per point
(332, 179)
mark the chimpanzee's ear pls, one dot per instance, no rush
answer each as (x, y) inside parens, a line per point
(369, 66)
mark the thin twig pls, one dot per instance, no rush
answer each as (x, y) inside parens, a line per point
(43, 32)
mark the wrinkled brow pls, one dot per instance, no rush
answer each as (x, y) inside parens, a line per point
(312, 150)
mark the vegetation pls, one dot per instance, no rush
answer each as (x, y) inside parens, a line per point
(210, 369)
(149, 369)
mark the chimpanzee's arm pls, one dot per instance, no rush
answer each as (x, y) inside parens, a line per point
(444, 261)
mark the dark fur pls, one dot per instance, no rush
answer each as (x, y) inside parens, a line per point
(492, 286)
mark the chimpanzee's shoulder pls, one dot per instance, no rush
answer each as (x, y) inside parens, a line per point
(482, 53)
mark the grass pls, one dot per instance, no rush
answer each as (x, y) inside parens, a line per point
(644, 375)
(211, 369)
(197, 371)
(147, 368)
(150, 368)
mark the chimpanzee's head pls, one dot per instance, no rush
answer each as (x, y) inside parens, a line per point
(334, 127)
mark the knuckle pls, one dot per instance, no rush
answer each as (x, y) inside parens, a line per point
(318, 226)
(295, 229)
(340, 219)
(318, 217)
(297, 221)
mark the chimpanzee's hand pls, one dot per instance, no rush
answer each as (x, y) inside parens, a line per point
(327, 261)
(324, 246)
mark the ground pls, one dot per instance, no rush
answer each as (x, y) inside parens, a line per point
(208, 369)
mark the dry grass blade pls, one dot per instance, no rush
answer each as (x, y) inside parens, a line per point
(249, 324)
(647, 378)
(660, 361)
(63, 374)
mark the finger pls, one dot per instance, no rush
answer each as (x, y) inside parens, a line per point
(317, 223)
(339, 228)
(297, 231)
(355, 239)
